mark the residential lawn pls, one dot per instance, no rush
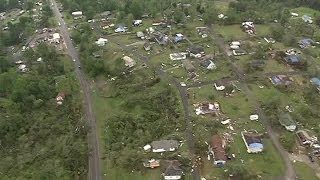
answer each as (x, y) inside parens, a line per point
(271, 65)
(270, 92)
(209, 171)
(232, 32)
(257, 163)
(120, 174)
(223, 70)
(263, 30)
(124, 39)
(304, 172)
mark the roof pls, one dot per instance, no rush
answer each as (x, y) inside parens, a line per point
(306, 42)
(206, 62)
(56, 36)
(292, 58)
(217, 146)
(286, 120)
(307, 18)
(315, 81)
(165, 144)
(172, 168)
(106, 13)
(280, 79)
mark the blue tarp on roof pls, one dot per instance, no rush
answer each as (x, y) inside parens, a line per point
(293, 59)
(275, 80)
(178, 38)
(256, 145)
(306, 42)
(315, 81)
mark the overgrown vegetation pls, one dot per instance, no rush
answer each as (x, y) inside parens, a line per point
(40, 140)
(147, 110)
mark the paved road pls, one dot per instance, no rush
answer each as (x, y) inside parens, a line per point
(184, 99)
(290, 172)
(94, 172)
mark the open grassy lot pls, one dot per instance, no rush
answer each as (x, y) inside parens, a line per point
(231, 32)
(304, 172)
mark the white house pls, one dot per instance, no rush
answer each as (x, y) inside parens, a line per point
(178, 56)
(77, 13)
(219, 88)
(55, 38)
(101, 41)
(137, 22)
(164, 145)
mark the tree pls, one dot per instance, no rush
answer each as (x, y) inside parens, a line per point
(285, 16)
(277, 32)
(210, 15)
(179, 16)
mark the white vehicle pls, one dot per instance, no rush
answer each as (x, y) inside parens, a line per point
(74, 60)
(183, 84)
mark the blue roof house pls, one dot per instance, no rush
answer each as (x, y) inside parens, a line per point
(292, 59)
(304, 43)
(316, 82)
(253, 142)
(121, 29)
(179, 37)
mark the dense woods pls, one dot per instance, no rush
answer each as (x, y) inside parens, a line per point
(39, 139)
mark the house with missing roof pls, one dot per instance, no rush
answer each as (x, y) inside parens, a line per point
(60, 98)
(152, 163)
(207, 108)
(164, 145)
(171, 170)
(307, 19)
(129, 62)
(253, 142)
(178, 56)
(195, 51)
(162, 39)
(316, 82)
(188, 65)
(305, 139)
(217, 150)
(286, 121)
(249, 28)
(281, 80)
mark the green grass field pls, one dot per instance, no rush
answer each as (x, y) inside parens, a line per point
(232, 32)
(304, 172)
